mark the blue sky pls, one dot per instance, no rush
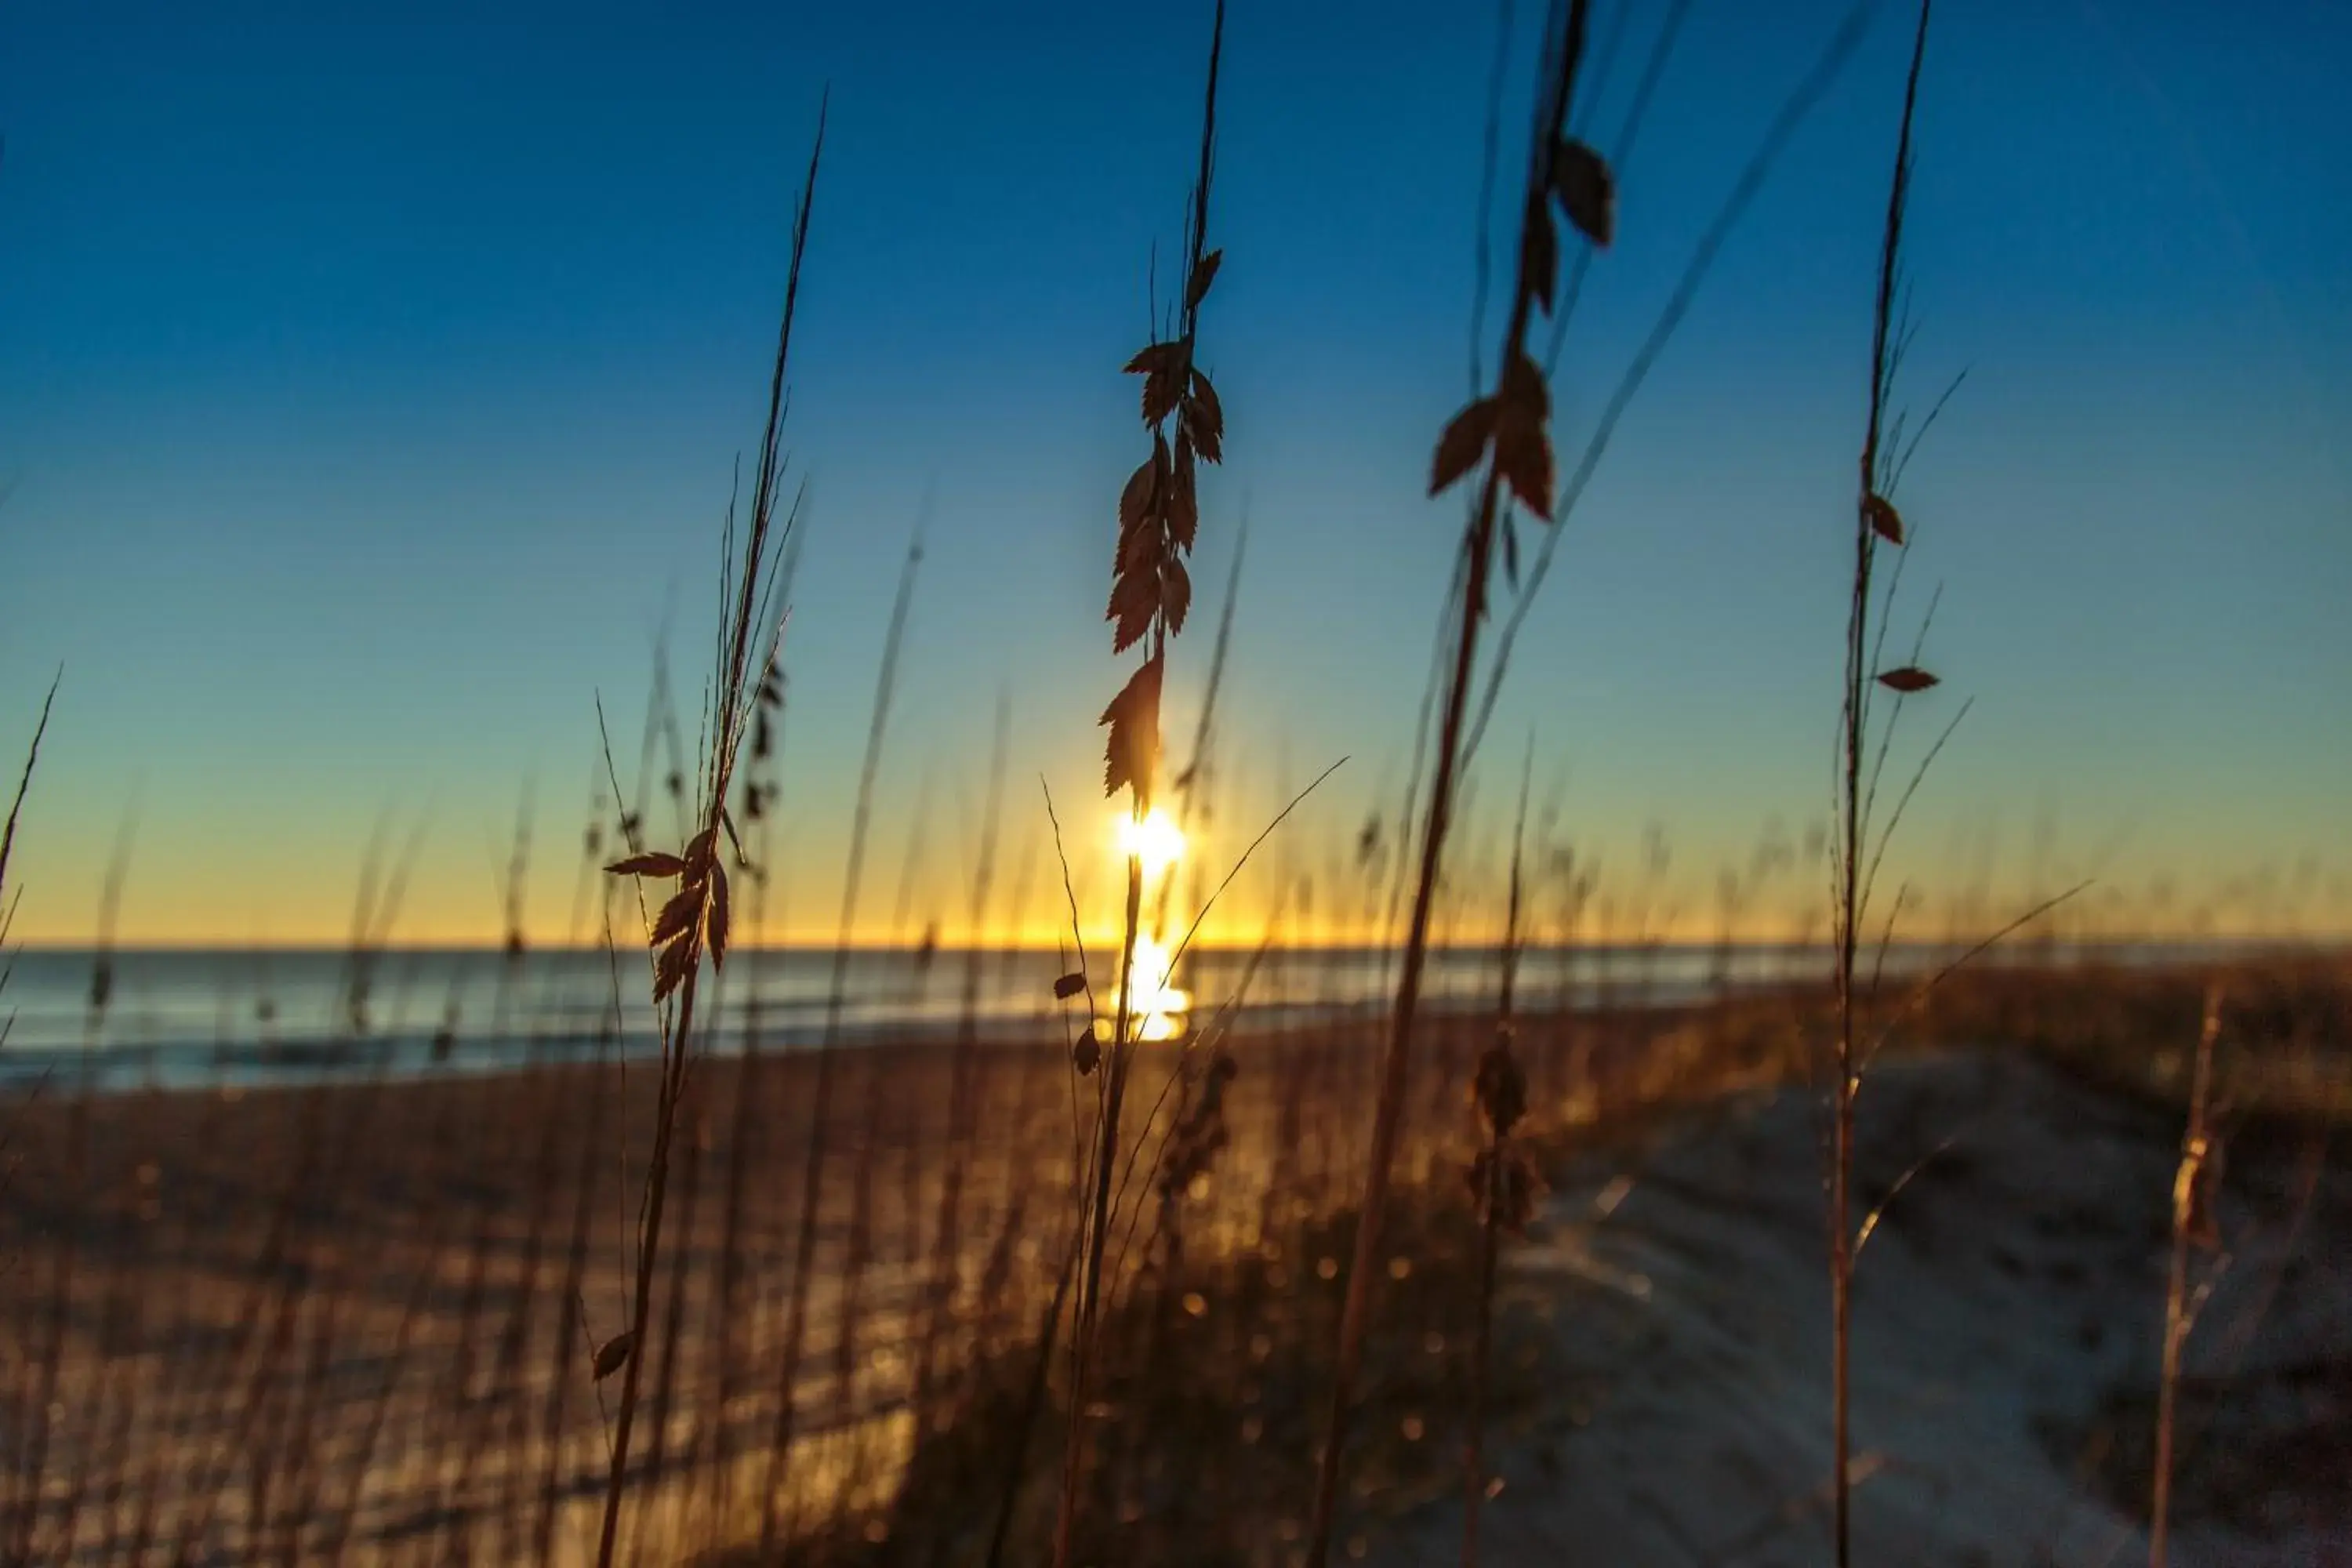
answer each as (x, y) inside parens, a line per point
(369, 378)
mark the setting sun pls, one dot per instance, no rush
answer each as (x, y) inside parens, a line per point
(1156, 840)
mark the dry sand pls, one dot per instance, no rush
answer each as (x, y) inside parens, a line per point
(2008, 1310)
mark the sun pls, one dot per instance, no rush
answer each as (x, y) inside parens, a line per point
(1155, 841)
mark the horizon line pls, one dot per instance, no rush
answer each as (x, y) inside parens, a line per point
(2318, 940)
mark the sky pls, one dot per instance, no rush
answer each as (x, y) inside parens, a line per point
(371, 378)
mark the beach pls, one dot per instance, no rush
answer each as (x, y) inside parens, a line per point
(362, 1321)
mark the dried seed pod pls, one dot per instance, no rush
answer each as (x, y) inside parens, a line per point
(1500, 1088)
(614, 1354)
(1586, 189)
(649, 865)
(1885, 521)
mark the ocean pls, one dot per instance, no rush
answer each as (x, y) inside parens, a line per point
(187, 1019)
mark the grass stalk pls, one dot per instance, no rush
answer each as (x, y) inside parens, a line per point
(964, 1094)
(696, 919)
(1511, 424)
(1151, 593)
(2191, 1214)
(1501, 1095)
(1871, 511)
(828, 1050)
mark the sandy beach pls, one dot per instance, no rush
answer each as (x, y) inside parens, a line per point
(358, 1321)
